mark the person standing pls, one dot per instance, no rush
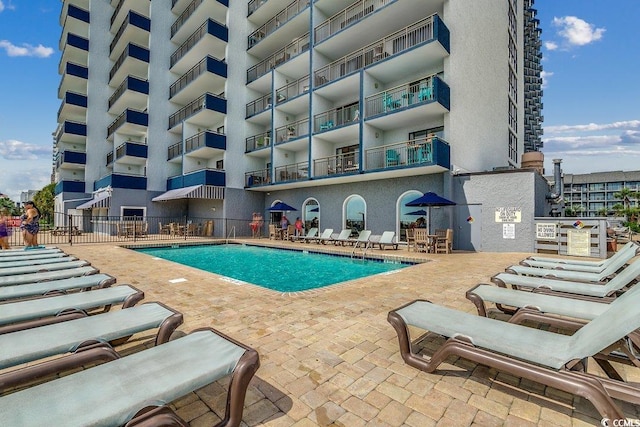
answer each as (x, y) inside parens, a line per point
(4, 229)
(30, 225)
(299, 226)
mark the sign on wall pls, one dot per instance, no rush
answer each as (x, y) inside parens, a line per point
(546, 231)
(579, 242)
(508, 214)
(508, 231)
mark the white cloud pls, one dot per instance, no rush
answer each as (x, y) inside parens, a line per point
(1, 6)
(39, 51)
(7, 6)
(18, 150)
(591, 127)
(551, 45)
(16, 181)
(545, 78)
(577, 32)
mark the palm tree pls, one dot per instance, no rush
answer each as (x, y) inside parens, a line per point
(626, 194)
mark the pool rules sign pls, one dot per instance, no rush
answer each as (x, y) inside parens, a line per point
(508, 217)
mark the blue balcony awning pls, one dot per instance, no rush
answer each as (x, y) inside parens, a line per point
(193, 192)
(100, 201)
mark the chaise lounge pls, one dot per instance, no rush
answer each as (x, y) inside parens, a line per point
(20, 279)
(13, 271)
(628, 251)
(56, 287)
(388, 239)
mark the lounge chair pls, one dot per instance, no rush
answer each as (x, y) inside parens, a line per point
(19, 315)
(54, 287)
(580, 276)
(115, 327)
(341, 238)
(106, 394)
(626, 253)
(544, 357)
(363, 240)
(21, 251)
(13, 271)
(388, 238)
(573, 261)
(35, 262)
(311, 234)
(324, 237)
(20, 279)
(32, 255)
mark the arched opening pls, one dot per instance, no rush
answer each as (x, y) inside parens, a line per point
(354, 214)
(310, 214)
(407, 216)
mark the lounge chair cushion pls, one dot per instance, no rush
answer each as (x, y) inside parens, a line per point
(42, 267)
(21, 291)
(35, 262)
(32, 255)
(46, 275)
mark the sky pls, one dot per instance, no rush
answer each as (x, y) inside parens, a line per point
(591, 60)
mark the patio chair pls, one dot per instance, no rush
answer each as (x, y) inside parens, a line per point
(311, 234)
(27, 255)
(327, 125)
(19, 315)
(444, 244)
(411, 241)
(106, 394)
(363, 240)
(164, 229)
(625, 278)
(56, 287)
(273, 233)
(35, 262)
(392, 158)
(76, 335)
(425, 93)
(20, 279)
(342, 237)
(14, 271)
(627, 252)
(388, 238)
(548, 358)
(324, 237)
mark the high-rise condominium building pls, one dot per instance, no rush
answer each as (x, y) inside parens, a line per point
(344, 110)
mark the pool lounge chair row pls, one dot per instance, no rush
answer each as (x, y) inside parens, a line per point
(34, 326)
(605, 330)
(344, 238)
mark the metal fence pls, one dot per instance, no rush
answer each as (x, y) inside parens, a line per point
(79, 229)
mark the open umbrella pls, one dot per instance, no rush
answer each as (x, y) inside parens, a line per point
(281, 207)
(430, 199)
(419, 212)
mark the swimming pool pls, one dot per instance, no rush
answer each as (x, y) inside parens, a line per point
(277, 269)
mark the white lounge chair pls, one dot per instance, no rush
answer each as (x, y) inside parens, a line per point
(387, 239)
(54, 287)
(20, 279)
(629, 251)
(26, 255)
(21, 252)
(325, 236)
(574, 261)
(14, 271)
(341, 238)
(311, 234)
(35, 262)
(106, 394)
(362, 240)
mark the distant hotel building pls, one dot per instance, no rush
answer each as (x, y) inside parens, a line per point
(345, 110)
(594, 192)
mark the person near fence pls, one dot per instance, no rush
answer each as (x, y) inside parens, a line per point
(299, 226)
(30, 225)
(4, 229)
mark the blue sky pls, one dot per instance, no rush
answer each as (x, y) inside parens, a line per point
(591, 59)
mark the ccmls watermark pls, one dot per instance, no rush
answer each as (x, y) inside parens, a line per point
(606, 422)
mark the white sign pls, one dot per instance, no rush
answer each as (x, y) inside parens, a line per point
(546, 231)
(508, 214)
(508, 231)
(578, 242)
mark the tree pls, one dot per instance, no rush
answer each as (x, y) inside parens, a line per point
(572, 210)
(9, 205)
(626, 194)
(44, 201)
(602, 212)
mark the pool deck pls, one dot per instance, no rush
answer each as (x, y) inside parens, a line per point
(330, 358)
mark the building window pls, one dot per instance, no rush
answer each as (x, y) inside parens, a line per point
(132, 213)
(513, 85)
(513, 147)
(220, 164)
(513, 53)
(513, 115)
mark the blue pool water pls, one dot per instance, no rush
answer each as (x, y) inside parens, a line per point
(277, 269)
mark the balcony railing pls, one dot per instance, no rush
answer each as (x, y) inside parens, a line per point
(394, 44)
(109, 158)
(337, 117)
(208, 27)
(131, 148)
(288, 13)
(259, 105)
(208, 64)
(347, 17)
(290, 51)
(116, 11)
(423, 91)
(427, 151)
(347, 163)
(186, 14)
(293, 130)
(134, 19)
(292, 89)
(128, 116)
(258, 142)
(256, 178)
(294, 172)
(206, 101)
(133, 83)
(132, 50)
(254, 5)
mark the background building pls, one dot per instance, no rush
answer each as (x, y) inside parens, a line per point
(595, 194)
(345, 110)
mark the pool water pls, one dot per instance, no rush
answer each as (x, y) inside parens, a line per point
(276, 269)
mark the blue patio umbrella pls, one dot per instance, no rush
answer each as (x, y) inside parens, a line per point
(430, 199)
(281, 207)
(419, 212)
(315, 210)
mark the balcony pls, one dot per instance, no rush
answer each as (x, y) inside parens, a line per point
(289, 99)
(425, 42)
(71, 132)
(286, 54)
(293, 131)
(258, 106)
(340, 164)
(294, 172)
(258, 142)
(431, 152)
(132, 93)
(119, 180)
(204, 111)
(210, 74)
(73, 107)
(73, 19)
(214, 177)
(70, 160)
(133, 61)
(257, 178)
(209, 39)
(287, 14)
(336, 118)
(69, 187)
(134, 29)
(141, 7)
(351, 15)
(74, 79)
(75, 49)
(131, 153)
(204, 145)
(194, 14)
(130, 122)
(412, 103)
